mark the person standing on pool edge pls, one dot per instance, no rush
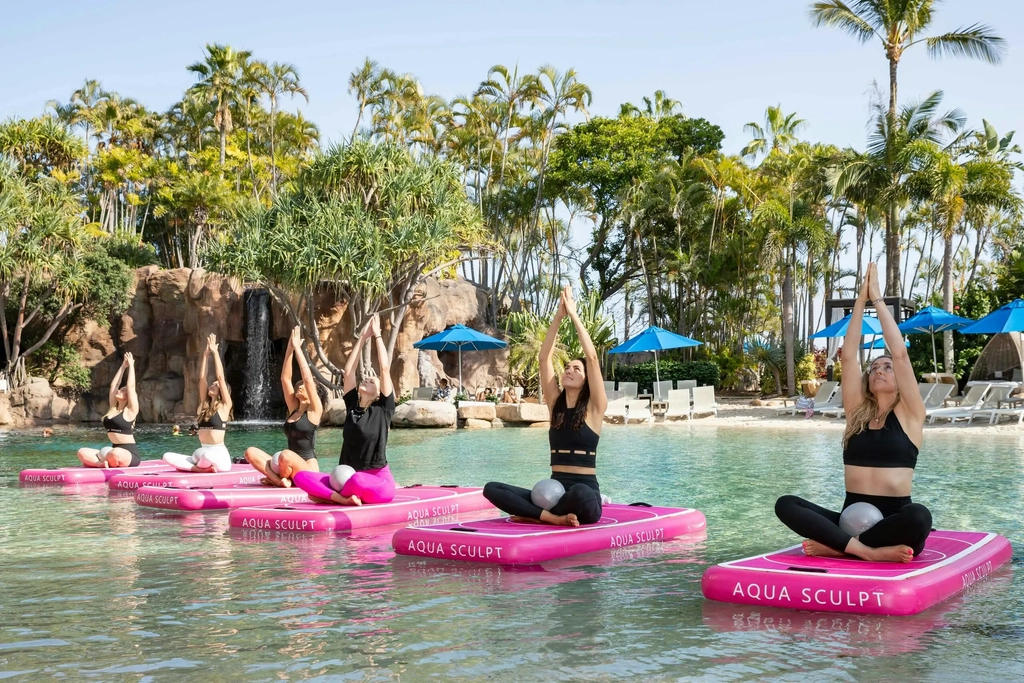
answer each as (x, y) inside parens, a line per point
(884, 425)
(577, 412)
(305, 409)
(369, 409)
(119, 422)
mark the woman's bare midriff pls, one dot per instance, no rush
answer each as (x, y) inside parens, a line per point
(879, 481)
(211, 437)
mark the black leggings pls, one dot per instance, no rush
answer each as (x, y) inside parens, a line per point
(132, 448)
(582, 498)
(904, 523)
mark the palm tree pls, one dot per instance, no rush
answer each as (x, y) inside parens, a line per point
(777, 135)
(899, 25)
(276, 80)
(363, 83)
(220, 77)
(661, 106)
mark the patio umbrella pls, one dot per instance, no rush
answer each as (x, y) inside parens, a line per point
(930, 320)
(869, 325)
(456, 338)
(878, 344)
(655, 339)
(1009, 318)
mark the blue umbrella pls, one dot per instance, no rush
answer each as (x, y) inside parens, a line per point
(878, 344)
(655, 339)
(458, 337)
(930, 320)
(869, 325)
(1009, 318)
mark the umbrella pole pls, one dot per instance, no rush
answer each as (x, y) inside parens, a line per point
(935, 361)
(462, 389)
(657, 375)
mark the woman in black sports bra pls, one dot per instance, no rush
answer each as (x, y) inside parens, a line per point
(884, 424)
(212, 417)
(305, 408)
(119, 422)
(577, 412)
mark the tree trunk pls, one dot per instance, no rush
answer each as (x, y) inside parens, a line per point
(947, 297)
(787, 328)
(892, 252)
(273, 155)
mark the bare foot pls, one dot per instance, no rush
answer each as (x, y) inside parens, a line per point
(559, 520)
(891, 553)
(815, 549)
(345, 500)
(524, 520)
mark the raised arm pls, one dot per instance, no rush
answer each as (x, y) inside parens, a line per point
(548, 381)
(218, 369)
(903, 371)
(853, 393)
(115, 383)
(353, 357)
(598, 397)
(286, 379)
(133, 396)
(203, 385)
(316, 406)
(386, 387)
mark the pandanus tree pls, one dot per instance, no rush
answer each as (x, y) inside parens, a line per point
(366, 222)
(900, 25)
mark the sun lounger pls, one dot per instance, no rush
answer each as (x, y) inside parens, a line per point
(627, 409)
(994, 414)
(938, 395)
(686, 384)
(704, 401)
(661, 390)
(609, 387)
(990, 398)
(825, 393)
(628, 389)
(679, 404)
(830, 406)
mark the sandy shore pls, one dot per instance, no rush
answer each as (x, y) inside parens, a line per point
(737, 412)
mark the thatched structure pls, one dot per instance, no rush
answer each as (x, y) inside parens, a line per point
(1001, 359)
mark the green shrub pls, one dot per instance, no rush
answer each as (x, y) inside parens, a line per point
(61, 362)
(805, 368)
(404, 398)
(707, 373)
(768, 382)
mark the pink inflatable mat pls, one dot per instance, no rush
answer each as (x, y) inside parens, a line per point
(411, 504)
(503, 541)
(951, 561)
(238, 474)
(61, 476)
(216, 498)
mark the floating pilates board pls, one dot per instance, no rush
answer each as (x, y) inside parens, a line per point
(238, 474)
(411, 504)
(216, 498)
(502, 541)
(62, 476)
(951, 561)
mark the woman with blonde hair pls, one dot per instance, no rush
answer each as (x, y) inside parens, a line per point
(884, 424)
(212, 418)
(305, 401)
(119, 422)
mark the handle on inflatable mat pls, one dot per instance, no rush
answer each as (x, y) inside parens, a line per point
(459, 528)
(283, 507)
(642, 505)
(812, 570)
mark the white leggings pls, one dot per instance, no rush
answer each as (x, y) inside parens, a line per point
(215, 456)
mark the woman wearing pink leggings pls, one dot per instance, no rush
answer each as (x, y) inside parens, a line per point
(367, 422)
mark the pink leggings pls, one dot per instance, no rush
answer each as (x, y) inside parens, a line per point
(372, 486)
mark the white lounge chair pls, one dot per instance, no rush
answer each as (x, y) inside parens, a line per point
(825, 392)
(628, 409)
(679, 404)
(926, 389)
(991, 408)
(835, 408)
(686, 384)
(835, 401)
(978, 397)
(609, 387)
(938, 395)
(704, 401)
(629, 389)
(661, 390)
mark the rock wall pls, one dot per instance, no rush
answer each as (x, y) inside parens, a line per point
(172, 312)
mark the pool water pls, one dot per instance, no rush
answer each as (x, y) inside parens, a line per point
(93, 587)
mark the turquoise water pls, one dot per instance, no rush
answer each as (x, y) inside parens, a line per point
(94, 588)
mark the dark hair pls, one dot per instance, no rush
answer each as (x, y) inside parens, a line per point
(321, 390)
(582, 404)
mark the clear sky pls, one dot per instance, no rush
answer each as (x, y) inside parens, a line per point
(725, 61)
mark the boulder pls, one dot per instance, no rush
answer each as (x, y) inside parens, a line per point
(540, 425)
(5, 411)
(160, 398)
(37, 398)
(522, 412)
(473, 410)
(425, 414)
(335, 412)
(497, 423)
(61, 408)
(473, 423)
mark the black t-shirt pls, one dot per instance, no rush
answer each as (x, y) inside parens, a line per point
(366, 432)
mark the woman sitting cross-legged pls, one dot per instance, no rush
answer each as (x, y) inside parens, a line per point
(577, 412)
(884, 424)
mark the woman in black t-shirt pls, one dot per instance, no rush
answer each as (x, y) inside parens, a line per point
(370, 408)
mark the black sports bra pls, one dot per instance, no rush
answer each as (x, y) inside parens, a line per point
(301, 436)
(214, 422)
(573, 448)
(117, 424)
(886, 447)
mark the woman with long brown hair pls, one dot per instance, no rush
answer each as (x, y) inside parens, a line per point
(884, 426)
(577, 413)
(212, 417)
(120, 423)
